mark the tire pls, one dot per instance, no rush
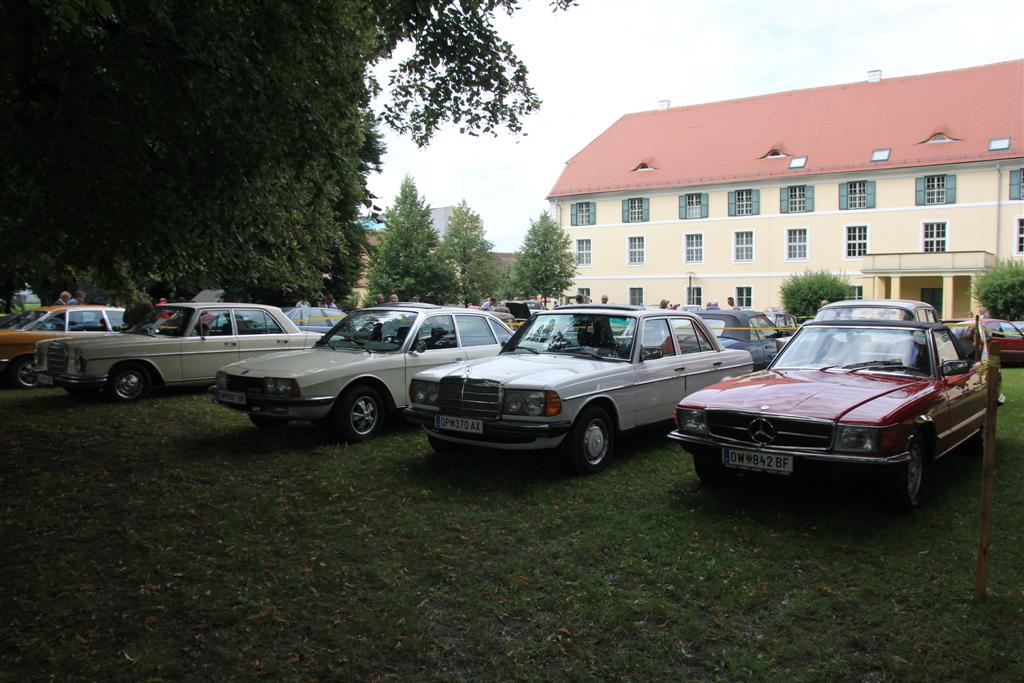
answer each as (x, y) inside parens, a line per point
(268, 423)
(359, 415)
(21, 374)
(128, 382)
(711, 471)
(588, 446)
(905, 483)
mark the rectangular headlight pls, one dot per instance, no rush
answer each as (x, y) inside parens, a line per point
(692, 421)
(857, 439)
(273, 386)
(518, 402)
(422, 392)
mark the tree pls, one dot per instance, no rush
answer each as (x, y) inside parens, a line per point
(802, 293)
(155, 140)
(545, 264)
(406, 261)
(1001, 290)
(468, 254)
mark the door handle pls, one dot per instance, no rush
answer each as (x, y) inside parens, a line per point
(230, 343)
(681, 369)
(283, 341)
(717, 363)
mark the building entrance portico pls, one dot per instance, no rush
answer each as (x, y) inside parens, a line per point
(943, 278)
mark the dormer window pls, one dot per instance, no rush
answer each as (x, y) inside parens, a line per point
(880, 154)
(939, 137)
(643, 166)
(996, 144)
(798, 162)
(774, 154)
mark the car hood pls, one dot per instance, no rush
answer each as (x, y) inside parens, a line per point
(295, 364)
(825, 394)
(524, 370)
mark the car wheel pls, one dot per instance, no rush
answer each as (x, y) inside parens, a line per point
(359, 416)
(711, 471)
(588, 446)
(22, 373)
(128, 382)
(905, 482)
(268, 423)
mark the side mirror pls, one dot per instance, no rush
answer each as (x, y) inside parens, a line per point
(650, 353)
(419, 346)
(955, 367)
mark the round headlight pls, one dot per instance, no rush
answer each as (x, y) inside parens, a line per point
(514, 404)
(534, 403)
(431, 393)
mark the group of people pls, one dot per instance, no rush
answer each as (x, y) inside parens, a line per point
(328, 302)
(65, 299)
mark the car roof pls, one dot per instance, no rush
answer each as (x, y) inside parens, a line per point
(915, 324)
(742, 314)
(77, 307)
(601, 307)
(906, 304)
(216, 304)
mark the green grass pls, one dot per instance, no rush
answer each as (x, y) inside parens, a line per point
(172, 540)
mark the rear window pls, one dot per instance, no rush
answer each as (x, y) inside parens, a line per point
(863, 313)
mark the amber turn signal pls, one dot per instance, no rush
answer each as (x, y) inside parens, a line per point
(552, 403)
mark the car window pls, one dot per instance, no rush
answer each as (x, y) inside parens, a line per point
(55, 323)
(116, 319)
(213, 322)
(473, 330)
(438, 331)
(499, 331)
(762, 327)
(657, 334)
(863, 313)
(255, 321)
(589, 334)
(687, 337)
(945, 346)
(86, 321)
(717, 327)
(1003, 329)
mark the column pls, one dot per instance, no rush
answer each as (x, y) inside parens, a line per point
(947, 312)
(894, 287)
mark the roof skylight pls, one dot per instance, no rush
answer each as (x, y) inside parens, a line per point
(881, 154)
(798, 162)
(996, 144)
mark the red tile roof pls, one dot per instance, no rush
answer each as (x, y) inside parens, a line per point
(836, 127)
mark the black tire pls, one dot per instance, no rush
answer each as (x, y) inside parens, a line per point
(358, 415)
(711, 471)
(21, 374)
(128, 382)
(904, 484)
(588, 446)
(268, 423)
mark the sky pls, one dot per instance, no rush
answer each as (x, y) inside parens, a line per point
(602, 59)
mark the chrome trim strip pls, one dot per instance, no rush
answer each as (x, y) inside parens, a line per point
(821, 457)
(961, 424)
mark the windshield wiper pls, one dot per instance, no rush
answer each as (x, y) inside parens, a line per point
(894, 364)
(527, 348)
(360, 343)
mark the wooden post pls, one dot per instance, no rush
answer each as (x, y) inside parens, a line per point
(988, 467)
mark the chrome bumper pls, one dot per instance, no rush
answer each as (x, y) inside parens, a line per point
(816, 456)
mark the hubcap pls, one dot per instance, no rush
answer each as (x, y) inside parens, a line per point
(27, 375)
(128, 385)
(364, 415)
(914, 470)
(595, 443)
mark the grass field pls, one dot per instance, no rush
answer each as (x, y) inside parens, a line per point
(172, 540)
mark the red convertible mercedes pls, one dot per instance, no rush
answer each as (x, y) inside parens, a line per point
(854, 396)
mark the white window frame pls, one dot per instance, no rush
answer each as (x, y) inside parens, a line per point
(881, 154)
(748, 206)
(739, 301)
(858, 292)
(753, 246)
(686, 254)
(694, 208)
(807, 245)
(585, 291)
(846, 241)
(1020, 236)
(643, 254)
(590, 252)
(941, 194)
(699, 299)
(629, 296)
(579, 218)
(945, 238)
(792, 190)
(861, 198)
(630, 204)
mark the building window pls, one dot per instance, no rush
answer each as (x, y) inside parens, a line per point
(583, 213)
(880, 154)
(798, 162)
(636, 296)
(796, 199)
(743, 246)
(584, 292)
(857, 197)
(744, 202)
(694, 248)
(934, 237)
(635, 210)
(695, 296)
(856, 241)
(744, 297)
(693, 205)
(796, 244)
(935, 189)
(1020, 235)
(858, 292)
(583, 253)
(636, 251)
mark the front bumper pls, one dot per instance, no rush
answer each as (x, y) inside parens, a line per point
(298, 408)
(79, 381)
(805, 463)
(498, 433)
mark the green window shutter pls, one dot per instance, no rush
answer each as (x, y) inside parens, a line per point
(844, 195)
(682, 206)
(870, 186)
(647, 209)
(703, 204)
(951, 189)
(919, 195)
(732, 203)
(783, 200)
(1017, 184)
(755, 200)
(809, 193)
(625, 210)
(593, 213)
(575, 220)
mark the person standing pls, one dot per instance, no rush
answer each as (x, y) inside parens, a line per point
(488, 304)
(379, 299)
(732, 304)
(394, 298)
(63, 299)
(303, 302)
(329, 302)
(604, 298)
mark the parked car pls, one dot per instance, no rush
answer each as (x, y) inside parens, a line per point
(878, 309)
(360, 370)
(575, 378)
(19, 335)
(1001, 333)
(503, 314)
(747, 330)
(842, 398)
(785, 323)
(314, 319)
(176, 344)
(522, 310)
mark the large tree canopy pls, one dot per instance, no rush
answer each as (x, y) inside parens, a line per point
(468, 252)
(161, 139)
(545, 265)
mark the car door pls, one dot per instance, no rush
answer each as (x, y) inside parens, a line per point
(259, 333)
(81, 323)
(1008, 338)
(766, 334)
(210, 344)
(439, 341)
(964, 396)
(661, 380)
(475, 337)
(698, 355)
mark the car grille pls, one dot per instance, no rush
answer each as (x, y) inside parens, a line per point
(772, 430)
(57, 359)
(469, 397)
(250, 385)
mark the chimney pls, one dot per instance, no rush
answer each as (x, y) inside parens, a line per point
(874, 75)
(664, 104)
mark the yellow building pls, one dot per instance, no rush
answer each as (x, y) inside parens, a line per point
(910, 187)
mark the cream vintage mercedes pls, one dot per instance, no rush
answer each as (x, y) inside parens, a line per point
(358, 372)
(176, 344)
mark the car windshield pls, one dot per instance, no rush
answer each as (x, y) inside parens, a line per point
(23, 320)
(164, 321)
(599, 336)
(858, 348)
(863, 313)
(370, 329)
(716, 326)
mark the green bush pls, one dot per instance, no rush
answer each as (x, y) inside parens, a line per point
(802, 293)
(1001, 290)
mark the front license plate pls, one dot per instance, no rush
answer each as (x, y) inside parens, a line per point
(459, 424)
(761, 462)
(45, 379)
(236, 397)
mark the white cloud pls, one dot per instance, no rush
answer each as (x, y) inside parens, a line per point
(606, 58)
